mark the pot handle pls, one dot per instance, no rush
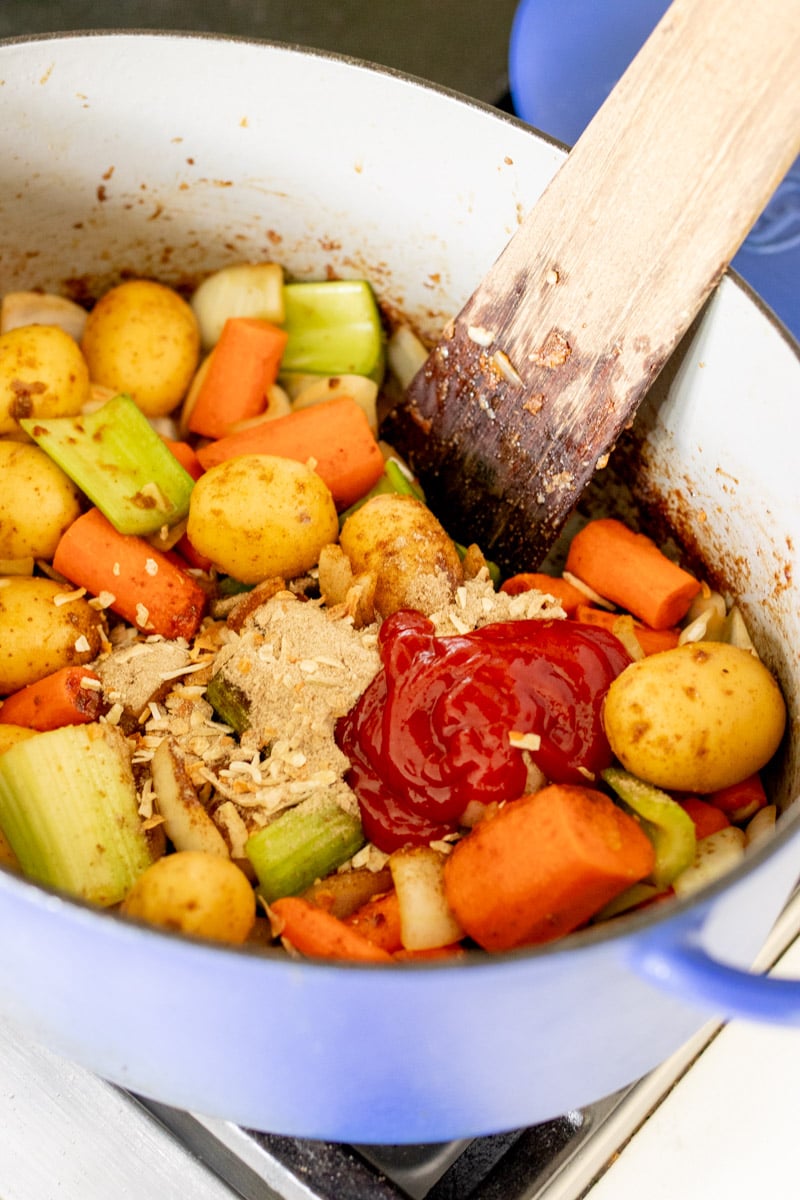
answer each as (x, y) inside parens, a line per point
(688, 972)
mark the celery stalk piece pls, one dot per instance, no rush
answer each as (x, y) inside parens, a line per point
(401, 482)
(228, 702)
(669, 827)
(118, 460)
(334, 328)
(302, 845)
(392, 481)
(69, 810)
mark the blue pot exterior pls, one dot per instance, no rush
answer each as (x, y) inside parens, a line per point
(367, 1054)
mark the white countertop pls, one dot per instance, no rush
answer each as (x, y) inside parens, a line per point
(728, 1128)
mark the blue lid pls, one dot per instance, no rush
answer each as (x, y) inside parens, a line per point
(565, 56)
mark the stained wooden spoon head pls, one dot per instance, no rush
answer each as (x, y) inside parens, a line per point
(528, 389)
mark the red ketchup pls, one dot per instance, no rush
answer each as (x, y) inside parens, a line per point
(431, 732)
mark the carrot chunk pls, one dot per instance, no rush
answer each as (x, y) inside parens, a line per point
(707, 817)
(146, 587)
(334, 433)
(186, 457)
(740, 800)
(543, 865)
(58, 699)
(568, 596)
(243, 365)
(630, 570)
(318, 934)
(652, 641)
(378, 920)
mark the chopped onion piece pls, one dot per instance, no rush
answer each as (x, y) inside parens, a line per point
(41, 308)
(736, 631)
(716, 854)
(707, 612)
(426, 919)
(589, 592)
(361, 389)
(624, 631)
(278, 405)
(240, 290)
(762, 825)
(405, 354)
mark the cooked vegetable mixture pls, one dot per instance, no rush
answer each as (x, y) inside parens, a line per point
(253, 691)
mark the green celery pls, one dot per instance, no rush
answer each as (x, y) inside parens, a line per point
(68, 808)
(401, 482)
(392, 482)
(118, 460)
(669, 827)
(229, 702)
(334, 328)
(228, 586)
(302, 845)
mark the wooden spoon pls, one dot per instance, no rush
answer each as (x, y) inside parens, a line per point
(527, 391)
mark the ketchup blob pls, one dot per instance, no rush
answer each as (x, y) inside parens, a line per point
(431, 732)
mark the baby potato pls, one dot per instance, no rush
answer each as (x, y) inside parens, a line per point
(397, 539)
(195, 893)
(696, 718)
(39, 635)
(260, 516)
(42, 374)
(11, 734)
(37, 502)
(142, 338)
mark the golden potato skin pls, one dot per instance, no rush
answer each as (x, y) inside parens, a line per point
(195, 893)
(37, 501)
(696, 718)
(398, 540)
(11, 734)
(42, 374)
(38, 636)
(260, 516)
(142, 338)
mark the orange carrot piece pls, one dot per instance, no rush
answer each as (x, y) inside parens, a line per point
(652, 641)
(334, 433)
(707, 817)
(378, 920)
(630, 570)
(740, 800)
(568, 596)
(56, 700)
(148, 587)
(243, 365)
(186, 457)
(543, 865)
(317, 933)
(190, 556)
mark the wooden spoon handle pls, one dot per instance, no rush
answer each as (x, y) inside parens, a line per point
(551, 356)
